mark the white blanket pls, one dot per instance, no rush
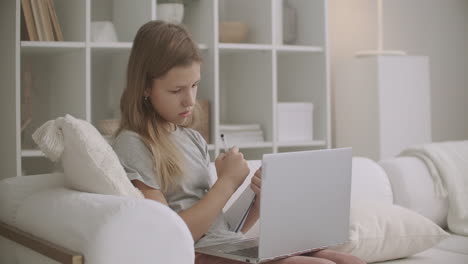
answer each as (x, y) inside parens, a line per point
(448, 165)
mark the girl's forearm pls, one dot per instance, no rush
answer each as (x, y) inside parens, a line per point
(200, 216)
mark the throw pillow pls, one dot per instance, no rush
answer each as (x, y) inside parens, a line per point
(89, 162)
(380, 232)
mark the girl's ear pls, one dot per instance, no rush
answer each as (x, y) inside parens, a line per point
(148, 89)
(147, 92)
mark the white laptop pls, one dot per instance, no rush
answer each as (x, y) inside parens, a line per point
(304, 206)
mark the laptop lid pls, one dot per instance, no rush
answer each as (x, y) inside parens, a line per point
(305, 201)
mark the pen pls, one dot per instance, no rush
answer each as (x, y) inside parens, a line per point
(223, 139)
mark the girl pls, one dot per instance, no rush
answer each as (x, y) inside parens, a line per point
(168, 161)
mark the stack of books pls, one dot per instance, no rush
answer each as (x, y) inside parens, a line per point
(40, 21)
(238, 134)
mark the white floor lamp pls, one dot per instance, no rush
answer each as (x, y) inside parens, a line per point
(382, 101)
(380, 50)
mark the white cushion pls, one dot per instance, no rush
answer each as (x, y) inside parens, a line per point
(89, 162)
(413, 188)
(380, 232)
(106, 228)
(369, 182)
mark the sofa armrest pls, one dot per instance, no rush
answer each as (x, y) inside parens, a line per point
(105, 228)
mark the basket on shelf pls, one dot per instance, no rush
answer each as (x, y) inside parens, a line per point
(233, 31)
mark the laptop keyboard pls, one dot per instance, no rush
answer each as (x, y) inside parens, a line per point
(246, 252)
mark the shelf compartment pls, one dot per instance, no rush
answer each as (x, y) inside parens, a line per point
(108, 79)
(52, 85)
(126, 16)
(255, 153)
(310, 22)
(255, 145)
(36, 165)
(198, 18)
(245, 90)
(71, 19)
(256, 14)
(307, 83)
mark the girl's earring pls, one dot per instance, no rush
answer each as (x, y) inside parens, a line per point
(146, 101)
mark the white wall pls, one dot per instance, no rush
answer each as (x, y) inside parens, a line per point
(434, 28)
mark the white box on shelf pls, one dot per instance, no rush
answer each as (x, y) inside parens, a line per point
(295, 122)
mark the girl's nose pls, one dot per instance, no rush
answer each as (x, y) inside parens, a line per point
(189, 98)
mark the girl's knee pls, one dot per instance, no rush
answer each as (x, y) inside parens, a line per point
(349, 259)
(323, 261)
(304, 260)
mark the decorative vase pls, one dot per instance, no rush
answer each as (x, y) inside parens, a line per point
(170, 12)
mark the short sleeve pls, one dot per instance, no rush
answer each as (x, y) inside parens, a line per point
(136, 158)
(201, 144)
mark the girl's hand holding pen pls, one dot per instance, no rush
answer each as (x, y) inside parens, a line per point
(232, 167)
(225, 145)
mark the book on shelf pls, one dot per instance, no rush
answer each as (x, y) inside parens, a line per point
(242, 141)
(24, 31)
(257, 133)
(237, 134)
(28, 21)
(43, 19)
(37, 20)
(55, 23)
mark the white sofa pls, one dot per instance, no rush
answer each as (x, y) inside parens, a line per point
(112, 229)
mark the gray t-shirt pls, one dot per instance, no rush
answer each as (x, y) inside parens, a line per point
(137, 161)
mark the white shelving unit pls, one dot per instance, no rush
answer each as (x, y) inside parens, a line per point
(242, 81)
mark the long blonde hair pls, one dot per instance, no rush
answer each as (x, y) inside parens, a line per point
(157, 48)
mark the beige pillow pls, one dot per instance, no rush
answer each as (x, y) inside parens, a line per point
(380, 232)
(89, 162)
